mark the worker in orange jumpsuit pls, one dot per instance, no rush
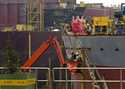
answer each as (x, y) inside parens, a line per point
(75, 75)
(72, 66)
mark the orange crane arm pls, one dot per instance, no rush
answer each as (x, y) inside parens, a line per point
(56, 45)
(42, 49)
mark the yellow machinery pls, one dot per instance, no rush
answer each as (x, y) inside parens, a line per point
(101, 25)
(24, 27)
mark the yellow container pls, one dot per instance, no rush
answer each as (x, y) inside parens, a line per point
(101, 21)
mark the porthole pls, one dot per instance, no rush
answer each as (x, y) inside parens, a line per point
(101, 49)
(116, 49)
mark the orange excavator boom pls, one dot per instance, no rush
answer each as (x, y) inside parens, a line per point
(52, 41)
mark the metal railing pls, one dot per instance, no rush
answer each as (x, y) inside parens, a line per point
(118, 79)
(60, 76)
(42, 75)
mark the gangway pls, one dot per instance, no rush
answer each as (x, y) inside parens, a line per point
(94, 74)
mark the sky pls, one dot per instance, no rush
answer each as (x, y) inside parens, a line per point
(105, 2)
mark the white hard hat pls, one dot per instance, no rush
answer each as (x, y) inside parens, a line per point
(77, 53)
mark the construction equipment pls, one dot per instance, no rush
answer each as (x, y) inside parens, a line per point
(101, 25)
(123, 17)
(123, 11)
(120, 19)
(71, 65)
(52, 41)
(120, 15)
(24, 27)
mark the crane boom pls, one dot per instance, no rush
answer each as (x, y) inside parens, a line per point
(52, 41)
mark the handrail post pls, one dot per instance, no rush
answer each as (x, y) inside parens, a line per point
(50, 79)
(66, 79)
(121, 84)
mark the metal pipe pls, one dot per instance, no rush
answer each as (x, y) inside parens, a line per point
(42, 15)
(66, 79)
(30, 48)
(50, 75)
(90, 81)
(105, 68)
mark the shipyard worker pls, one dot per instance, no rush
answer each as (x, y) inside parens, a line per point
(75, 56)
(78, 57)
(118, 30)
(88, 28)
(67, 29)
(72, 66)
(75, 73)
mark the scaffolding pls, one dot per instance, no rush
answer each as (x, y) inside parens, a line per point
(35, 14)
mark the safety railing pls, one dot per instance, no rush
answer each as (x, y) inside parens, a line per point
(117, 79)
(61, 78)
(42, 76)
